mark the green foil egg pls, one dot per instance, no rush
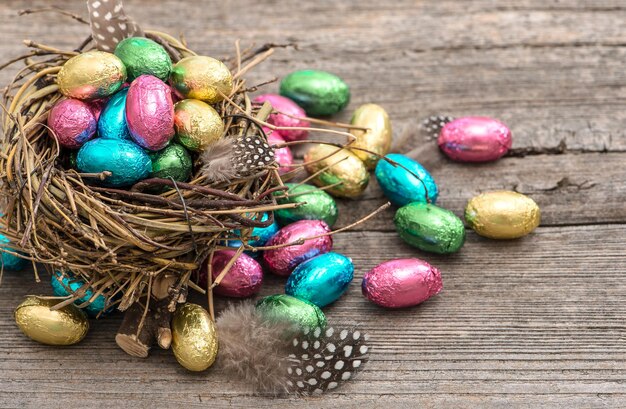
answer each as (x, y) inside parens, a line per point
(281, 307)
(320, 93)
(315, 204)
(172, 162)
(430, 228)
(143, 56)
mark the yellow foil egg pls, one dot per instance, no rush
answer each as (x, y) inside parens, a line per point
(91, 75)
(203, 78)
(197, 124)
(376, 139)
(194, 338)
(344, 169)
(502, 214)
(65, 326)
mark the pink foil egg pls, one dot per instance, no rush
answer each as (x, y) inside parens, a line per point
(72, 123)
(282, 104)
(475, 139)
(283, 156)
(401, 283)
(283, 260)
(242, 280)
(150, 112)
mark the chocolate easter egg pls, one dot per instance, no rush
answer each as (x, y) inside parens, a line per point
(91, 75)
(112, 123)
(318, 92)
(345, 170)
(72, 123)
(281, 261)
(285, 308)
(150, 112)
(502, 214)
(142, 56)
(430, 228)
(203, 78)
(475, 139)
(197, 124)
(376, 139)
(127, 162)
(404, 180)
(244, 278)
(290, 115)
(194, 337)
(401, 283)
(65, 326)
(283, 156)
(10, 261)
(315, 204)
(173, 161)
(65, 284)
(322, 279)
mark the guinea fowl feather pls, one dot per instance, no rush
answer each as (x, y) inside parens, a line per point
(217, 161)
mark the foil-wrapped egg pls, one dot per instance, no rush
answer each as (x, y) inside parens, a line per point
(376, 139)
(258, 236)
(281, 261)
(112, 123)
(403, 180)
(65, 326)
(475, 139)
(290, 310)
(91, 75)
(345, 172)
(244, 278)
(173, 161)
(502, 214)
(203, 78)
(401, 283)
(320, 93)
(315, 204)
(430, 228)
(283, 156)
(293, 117)
(127, 162)
(150, 112)
(194, 337)
(10, 261)
(72, 123)
(97, 105)
(66, 284)
(197, 124)
(142, 56)
(322, 279)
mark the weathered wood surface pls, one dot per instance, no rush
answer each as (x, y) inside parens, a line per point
(536, 322)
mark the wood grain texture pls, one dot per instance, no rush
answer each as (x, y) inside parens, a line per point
(535, 322)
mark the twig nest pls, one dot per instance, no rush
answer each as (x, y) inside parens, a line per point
(203, 78)
(91, 75)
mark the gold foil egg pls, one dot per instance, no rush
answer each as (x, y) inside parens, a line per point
(197, 124)
(194, 338)
(345, 170)
(376, 139)
(65, 326)
(203, 78)
(91, 75)
(502, 214)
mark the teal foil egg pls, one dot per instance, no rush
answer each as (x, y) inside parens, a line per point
(259, 236)
(173, 161)
(322, 279)
(64, 285)
(127, 162)
(319, 93)
(315, 204)
(112, 121)
(401, 186)
(144, 56)
(290, 310)
(9, 261)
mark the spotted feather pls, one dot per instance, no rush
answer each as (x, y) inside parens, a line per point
(433, 125)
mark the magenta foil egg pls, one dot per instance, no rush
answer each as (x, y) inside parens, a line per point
(475, 139)
(72, 122)
(244, 278)
(401, 283)
(282, 261)
(283, 156)
(150, 112)
(287, 106)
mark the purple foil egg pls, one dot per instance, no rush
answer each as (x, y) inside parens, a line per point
(72, 123)
(150, 112)
(400, 283)
(475, 139)
(283, 260)
(283, 156)
(242, 280)
(287, 106)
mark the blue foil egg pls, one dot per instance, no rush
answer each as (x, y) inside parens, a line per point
(9, 261)
(65, 284)
(322, 279)
(127, 162)
(112, 121)
(260, 235)
(401, 186)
